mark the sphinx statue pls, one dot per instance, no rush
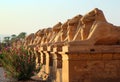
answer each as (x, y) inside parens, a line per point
(43, 37)
(77, 36)
(100, 32)
(28, 40)
(57, 35)
(72, 27)
(89, 19)
(86, 23)
(46, 37)
(40, 36)
(68, 30)
(36, 40)
(64, 31)
(48, 34)
(55, 30)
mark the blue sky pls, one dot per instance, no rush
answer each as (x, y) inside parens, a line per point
(31, 15)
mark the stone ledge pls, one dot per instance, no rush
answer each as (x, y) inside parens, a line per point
(101, 49)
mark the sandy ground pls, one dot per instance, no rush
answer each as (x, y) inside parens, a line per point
(2, 78)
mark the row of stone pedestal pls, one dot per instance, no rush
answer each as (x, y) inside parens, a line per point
(83, 49)
(79, 63)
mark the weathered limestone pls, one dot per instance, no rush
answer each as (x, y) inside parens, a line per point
(100, 32)
(83, 49)
(55, 31)
(87, 22)
(78, 35)
(48, 34)
(92, 64)
(64, 31)
(89, 19)
(72, 27)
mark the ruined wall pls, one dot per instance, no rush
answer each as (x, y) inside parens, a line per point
(83, 49)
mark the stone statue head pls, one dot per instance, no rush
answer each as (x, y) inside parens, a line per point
(29, 37)
(72, 27)
(57, 27)
(94, 15)
(38, 33)
(41, 33)
(74, 21)
(65, 25)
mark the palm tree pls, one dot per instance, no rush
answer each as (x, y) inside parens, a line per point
(6, 40)
(13, 38)
(21, 35)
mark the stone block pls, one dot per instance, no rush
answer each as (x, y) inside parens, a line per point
(116, 56)
(107, 56)
(95, 56)
(79, 56)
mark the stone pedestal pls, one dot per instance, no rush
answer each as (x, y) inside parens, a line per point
(81, 63)
(91, 64)
(47, 69)
(65, 68)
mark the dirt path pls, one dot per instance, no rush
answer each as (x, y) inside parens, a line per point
(2, 78)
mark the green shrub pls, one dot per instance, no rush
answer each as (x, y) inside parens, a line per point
(18, 63)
